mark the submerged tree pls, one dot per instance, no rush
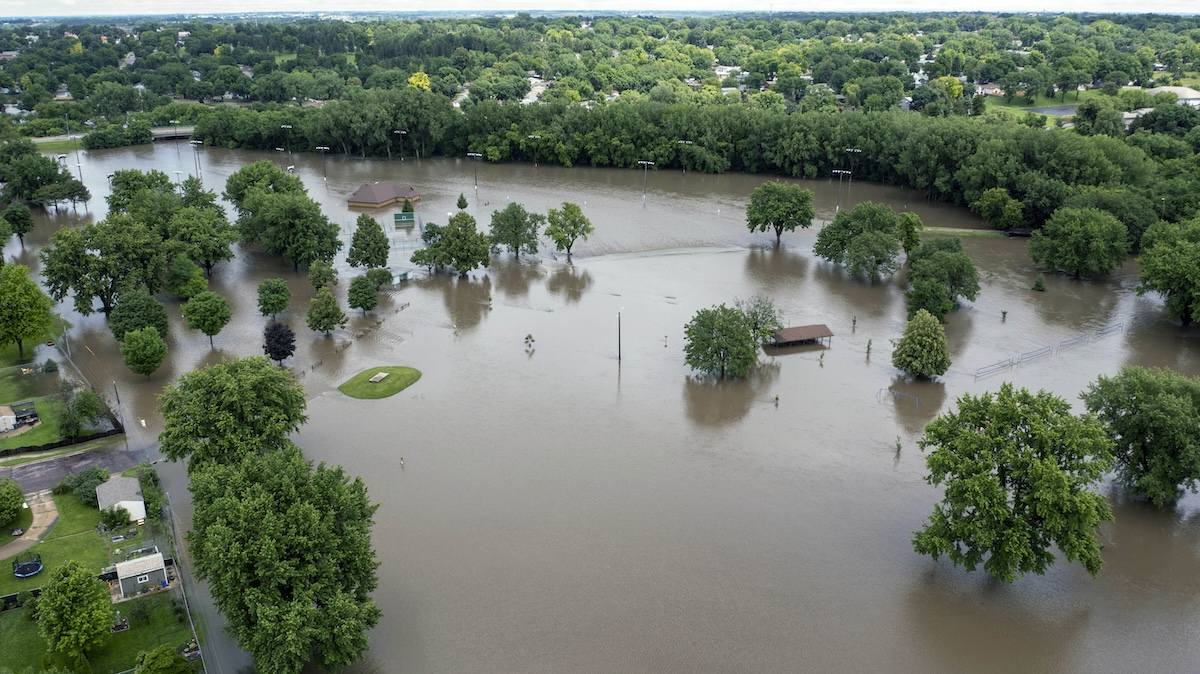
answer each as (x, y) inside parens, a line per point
(779, 207)
(1017, 471)
(279, 342)
(516, 229)
(721, 341)
(922, 350)
(143, 350)
(324, 314)
(567, 225)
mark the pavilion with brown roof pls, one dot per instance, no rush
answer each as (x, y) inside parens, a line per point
(378, 195)
(802, 334)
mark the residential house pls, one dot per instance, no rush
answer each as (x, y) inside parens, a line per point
(142, 574)
(123, 492)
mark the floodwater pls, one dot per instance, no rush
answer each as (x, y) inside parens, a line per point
(560, 509)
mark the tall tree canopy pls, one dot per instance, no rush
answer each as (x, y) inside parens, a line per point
(781, 207)
(458, 246)
(24, 309)
(721, 341)
(135, 310)
(369, 246)
(1080, 241)
(922, 350)
(1171, 266)
(516, 229)
(207, 312)
(864, 238)
(143, 350)
(102, 260)
(206, 235)
(289, 224)
(221, 413)
(324, 312)
(286, 550)
(1151, 414)
(567, 225)
(74, 612)
(273, 296)
(1017, 469)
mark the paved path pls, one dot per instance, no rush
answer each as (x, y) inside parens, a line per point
(45, 514)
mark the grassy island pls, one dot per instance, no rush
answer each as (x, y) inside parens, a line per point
(398, 378)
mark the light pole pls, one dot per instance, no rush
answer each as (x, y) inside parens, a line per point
(402, 134)
(288, 142)
(852, 151)
(324, 171)
(840, 173)
(196, 159)
(476, 156)
(178, 177)
(646, 164)
(534, 136)
(684, 163)
(619, 334)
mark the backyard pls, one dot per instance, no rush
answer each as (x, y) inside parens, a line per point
(24, 648)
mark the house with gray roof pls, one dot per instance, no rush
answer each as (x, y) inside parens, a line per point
(123, 492)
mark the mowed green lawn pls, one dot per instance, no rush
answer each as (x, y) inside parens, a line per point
(72, 537)
(398, 379)
(21, 647)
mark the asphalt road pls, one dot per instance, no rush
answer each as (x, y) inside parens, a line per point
(44, 474)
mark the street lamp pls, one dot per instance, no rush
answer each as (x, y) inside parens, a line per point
(619, 334)
(178, 177)
(402, 134)
(853, 151)
(685, 142)
(477, 157)
(288, 129)
(196, 159)
(534, 136)
(324, 171)
(645, 174)
(840, 173)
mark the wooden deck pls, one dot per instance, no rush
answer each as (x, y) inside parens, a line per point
(802, 334)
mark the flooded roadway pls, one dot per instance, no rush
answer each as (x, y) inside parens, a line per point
(560, 510)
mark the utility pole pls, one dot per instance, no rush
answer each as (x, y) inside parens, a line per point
(645, 175)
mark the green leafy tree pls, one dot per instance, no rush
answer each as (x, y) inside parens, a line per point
(11, 500)
(1170, 263)
(458, 245)
(1080, 241)
(363, 295)
(273, 297)
(324, 314)
(927, 293)
(83, 484)
(369, 246)
(261, 176)
(938, 278)
(162, 660)
(1000, 210)
(135, 310)
(311, 602)
(910, 227)
(19, 218)
(516, 229)
(279, 342)
(24, 309)
(567, 225)
(74, 612)
(289, 224)
(762, 316)
(143, 350)
(379, 277)
(843, 241)
(82, 410)
(207, 312)
(1150, 414)
(321, 274)
(101, 261)
(407, 207)
(780, 207)
(1017, 469)
(922, 350)
(206, 235)
(720, 341)
(462, 202)
(221, 413)
(184, 278)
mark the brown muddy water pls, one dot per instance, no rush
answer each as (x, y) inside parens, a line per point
(560, 510)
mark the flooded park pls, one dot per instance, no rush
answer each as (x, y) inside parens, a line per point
(560, 508)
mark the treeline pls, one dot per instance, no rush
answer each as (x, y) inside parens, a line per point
(955, 159)
(285, 545)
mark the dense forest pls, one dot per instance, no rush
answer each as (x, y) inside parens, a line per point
(941, 103)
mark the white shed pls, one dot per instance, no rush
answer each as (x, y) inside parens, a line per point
(124, 492)
(8, 418)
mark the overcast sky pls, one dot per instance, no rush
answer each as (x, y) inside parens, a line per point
(19, 8)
